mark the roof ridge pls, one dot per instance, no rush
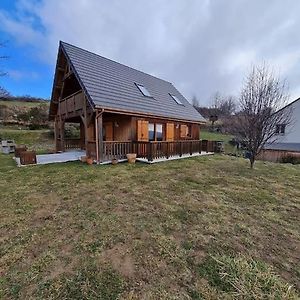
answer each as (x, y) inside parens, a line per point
(62, 42)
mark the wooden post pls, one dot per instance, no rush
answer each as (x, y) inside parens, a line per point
(82, 135)
(149, 150)
(200, 146)
(191, 147)
(100, 137)
(84, 119)
(56, 134)
(62, 135)
(180, 149)
(168, 151)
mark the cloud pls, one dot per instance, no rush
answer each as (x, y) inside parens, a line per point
(18, 75)
(200, 46)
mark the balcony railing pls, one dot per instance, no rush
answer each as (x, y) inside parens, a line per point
(150, 150)
(163, 149)
(74, 144)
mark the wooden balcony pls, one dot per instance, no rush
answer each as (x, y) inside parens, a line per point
(71, 104)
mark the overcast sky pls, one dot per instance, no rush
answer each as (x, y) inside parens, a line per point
(201, 46)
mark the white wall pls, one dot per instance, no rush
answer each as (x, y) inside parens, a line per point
(292, 132)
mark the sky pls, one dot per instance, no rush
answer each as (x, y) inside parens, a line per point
(202, 47)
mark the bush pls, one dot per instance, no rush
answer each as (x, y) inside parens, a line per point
(36, 117)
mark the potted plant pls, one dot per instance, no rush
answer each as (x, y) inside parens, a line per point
(131, 157)
(114, 161)
(89, 161)
(83, 158)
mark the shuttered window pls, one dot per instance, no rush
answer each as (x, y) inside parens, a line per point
(183, 131)
(142, 131)
(170, 132)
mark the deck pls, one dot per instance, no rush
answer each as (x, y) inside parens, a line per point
(149, 152)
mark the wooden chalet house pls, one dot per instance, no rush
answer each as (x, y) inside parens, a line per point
(120, 110)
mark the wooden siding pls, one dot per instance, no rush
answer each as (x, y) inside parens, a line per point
(276, 155)
(170, 132)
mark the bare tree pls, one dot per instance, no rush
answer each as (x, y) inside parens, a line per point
(3, 92)
(195, 102)
(223, 106)
(261, 101)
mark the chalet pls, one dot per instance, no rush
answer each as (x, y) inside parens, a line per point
(120, 110)
(287, 137)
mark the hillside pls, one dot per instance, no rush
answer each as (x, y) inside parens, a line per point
(16, 110)
(199, 228)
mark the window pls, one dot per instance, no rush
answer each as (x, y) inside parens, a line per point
(151, 132)
(155, 132)
(143, 90)
(280, 129)
(175, 98)
(159, 132)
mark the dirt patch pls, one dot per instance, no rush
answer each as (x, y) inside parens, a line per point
(120, 260)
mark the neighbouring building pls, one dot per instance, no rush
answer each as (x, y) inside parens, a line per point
(288, 137)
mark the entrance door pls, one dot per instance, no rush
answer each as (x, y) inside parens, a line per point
(108, 132)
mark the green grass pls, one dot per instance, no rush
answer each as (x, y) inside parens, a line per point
(215, 136)
(198, 228)
(34, 139)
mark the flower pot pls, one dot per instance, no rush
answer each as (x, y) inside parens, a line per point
(89, 161)
(131, 157)
(114, 161)
(83, 159)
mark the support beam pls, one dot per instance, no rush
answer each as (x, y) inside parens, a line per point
(62, 135)
(100, 136)
(84, 119)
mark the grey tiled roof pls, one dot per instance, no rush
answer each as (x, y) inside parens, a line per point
(112, 85)
(283, 146)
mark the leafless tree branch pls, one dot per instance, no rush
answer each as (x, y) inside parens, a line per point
(261, 101)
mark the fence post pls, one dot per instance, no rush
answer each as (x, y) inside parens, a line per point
(167, 154)
(200, 146)
(150, 155)
(180, 149)
(191, 147)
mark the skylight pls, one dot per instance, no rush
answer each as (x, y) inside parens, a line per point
(176, 99)
(143, 90)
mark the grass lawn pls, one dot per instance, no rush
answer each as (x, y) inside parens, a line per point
(34, 139)
(215, 136)
(198, 228)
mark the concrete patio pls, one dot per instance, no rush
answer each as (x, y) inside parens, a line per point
(43, 159)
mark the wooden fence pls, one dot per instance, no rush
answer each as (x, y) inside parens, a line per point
(150, 150)
(74, 144)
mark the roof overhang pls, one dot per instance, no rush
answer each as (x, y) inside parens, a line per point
(148, 115)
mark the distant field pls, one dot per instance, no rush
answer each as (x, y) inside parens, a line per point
(22, 103)
(198, 228)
